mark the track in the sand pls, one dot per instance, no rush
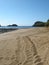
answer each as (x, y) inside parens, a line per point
(32, 57)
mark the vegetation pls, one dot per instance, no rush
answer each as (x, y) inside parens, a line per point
(47, 23)
(41, 24)
(13, 25)
(0, 25)
(36, 24)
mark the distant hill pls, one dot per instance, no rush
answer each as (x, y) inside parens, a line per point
(13, 25)
(39, 24)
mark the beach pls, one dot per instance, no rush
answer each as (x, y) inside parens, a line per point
(25, 47)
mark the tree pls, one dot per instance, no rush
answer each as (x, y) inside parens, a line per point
(47, 23)
(0, 25)
(13, 25)
(39, 24)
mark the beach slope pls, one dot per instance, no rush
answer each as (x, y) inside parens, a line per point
(25, 47)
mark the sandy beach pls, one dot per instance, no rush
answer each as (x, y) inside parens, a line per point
(25, 47)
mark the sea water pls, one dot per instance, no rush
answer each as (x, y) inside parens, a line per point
(15, 27)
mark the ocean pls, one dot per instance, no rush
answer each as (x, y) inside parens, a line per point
(15, 27)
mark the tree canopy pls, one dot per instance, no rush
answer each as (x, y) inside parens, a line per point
(39, 24)
(13, 25)
(47, 23)
(0, 25)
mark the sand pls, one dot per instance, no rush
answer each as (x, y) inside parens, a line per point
(25, 47)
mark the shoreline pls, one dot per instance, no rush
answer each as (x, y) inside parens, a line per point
(3, 30)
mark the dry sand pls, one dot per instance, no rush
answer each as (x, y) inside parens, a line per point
(25, 47)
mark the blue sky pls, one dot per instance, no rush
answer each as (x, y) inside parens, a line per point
(23, 12)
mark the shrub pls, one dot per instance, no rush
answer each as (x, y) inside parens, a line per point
(47, 23)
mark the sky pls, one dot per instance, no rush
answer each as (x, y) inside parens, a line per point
(23, 12)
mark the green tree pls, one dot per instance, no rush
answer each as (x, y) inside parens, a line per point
(39, 24)
(47, 23)
(0, 25)
(13, 25)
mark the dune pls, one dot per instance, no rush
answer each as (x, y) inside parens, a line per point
(25, 47)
